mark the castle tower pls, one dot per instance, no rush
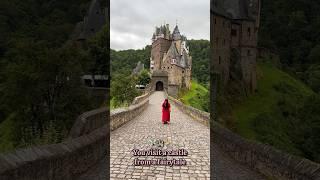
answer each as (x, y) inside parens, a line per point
(160, 45)
(177, 38)
(254, 10)
(170, 63)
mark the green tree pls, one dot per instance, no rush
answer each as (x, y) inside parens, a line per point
(313, 77)
(123, 90)
(144, 77)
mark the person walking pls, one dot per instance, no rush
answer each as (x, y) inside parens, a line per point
(166, 112)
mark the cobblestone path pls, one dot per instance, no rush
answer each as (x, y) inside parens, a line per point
(183, 132)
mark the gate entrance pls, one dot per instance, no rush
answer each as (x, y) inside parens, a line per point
(159, 86)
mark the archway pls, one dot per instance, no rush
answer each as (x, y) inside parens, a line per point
(159, 86)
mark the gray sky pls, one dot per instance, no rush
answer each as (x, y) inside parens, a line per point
(133, 21)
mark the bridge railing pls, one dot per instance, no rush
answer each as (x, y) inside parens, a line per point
(89, 121)
(259, 157)
(123, 115)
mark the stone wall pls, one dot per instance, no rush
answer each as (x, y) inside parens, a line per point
(86, 146)
(66, 160)
(259, 157)
(89, 121)
(123, 115)
(201, 116)
(141, 98)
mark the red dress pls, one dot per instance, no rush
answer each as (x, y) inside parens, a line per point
(165, 113)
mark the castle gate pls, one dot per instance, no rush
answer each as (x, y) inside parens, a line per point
(159, 86)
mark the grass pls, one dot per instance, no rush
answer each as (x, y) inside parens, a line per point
(7, 131)
(265, 100)
(196, 97)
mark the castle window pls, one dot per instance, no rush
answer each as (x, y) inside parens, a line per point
(233, 32)
(182, 71)
(219, 59)
(249, 32)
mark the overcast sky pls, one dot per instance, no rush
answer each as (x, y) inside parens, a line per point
(133, 21)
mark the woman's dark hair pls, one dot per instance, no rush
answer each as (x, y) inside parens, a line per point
(165, 104)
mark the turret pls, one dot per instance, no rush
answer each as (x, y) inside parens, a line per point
(254, 10)
(176, 34)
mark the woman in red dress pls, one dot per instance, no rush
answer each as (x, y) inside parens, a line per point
(165, 112)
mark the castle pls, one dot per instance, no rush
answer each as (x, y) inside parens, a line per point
(170, 62)
(234, 33)
(92, 23)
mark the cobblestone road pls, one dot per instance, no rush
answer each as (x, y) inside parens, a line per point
(183, 132)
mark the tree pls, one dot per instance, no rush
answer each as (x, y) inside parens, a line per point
(313, 77)
(123, 90)
(144, 77)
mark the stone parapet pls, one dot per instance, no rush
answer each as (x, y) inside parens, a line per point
(123, 115)
(89, 121)
(66, 160)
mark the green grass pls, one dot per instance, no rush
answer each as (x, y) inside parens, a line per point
(196, 97)
(7, 131)
(266, 98)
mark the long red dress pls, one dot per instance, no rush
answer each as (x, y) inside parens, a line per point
(165, 112)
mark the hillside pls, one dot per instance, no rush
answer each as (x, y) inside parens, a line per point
(276, 113)
(197, 96)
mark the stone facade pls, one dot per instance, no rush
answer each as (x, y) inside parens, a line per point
(170, 54)
(234, 33)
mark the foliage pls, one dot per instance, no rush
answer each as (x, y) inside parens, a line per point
(291, 28)
(313, 77)
(124, 61)
(40, 70)
(123, 90)
(283, 113)
(200, 52)
(144, 77)
(197, 97)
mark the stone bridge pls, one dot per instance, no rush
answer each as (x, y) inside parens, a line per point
(84, 155)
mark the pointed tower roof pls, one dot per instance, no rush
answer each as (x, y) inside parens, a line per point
(176, 33)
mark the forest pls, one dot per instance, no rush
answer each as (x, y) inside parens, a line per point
(40, 70)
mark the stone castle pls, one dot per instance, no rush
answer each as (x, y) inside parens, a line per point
(92, 23)
(234, 34)
(170, 62)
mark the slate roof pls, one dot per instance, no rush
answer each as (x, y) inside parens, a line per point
(181, 60)
(233, 9)
(176, 33)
